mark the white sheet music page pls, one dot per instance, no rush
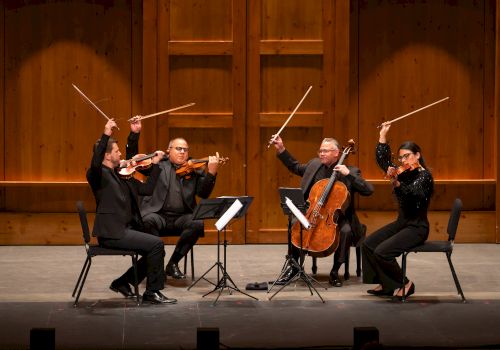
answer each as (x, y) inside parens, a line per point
(303, 220)
(228, 215)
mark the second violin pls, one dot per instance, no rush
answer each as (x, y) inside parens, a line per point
(191, 165)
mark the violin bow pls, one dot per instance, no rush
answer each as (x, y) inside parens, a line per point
(289, 118)
(141, 117)
(406, 115)
(91, 103)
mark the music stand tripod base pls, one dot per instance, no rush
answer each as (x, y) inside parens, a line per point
(216, 208)
(298, 200)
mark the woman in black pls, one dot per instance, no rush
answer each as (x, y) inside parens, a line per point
(413, 189)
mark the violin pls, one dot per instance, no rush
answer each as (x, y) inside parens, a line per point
(393, 173)
(137, 162)
(191, 165)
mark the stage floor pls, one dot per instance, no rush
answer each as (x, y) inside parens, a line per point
(36, 284)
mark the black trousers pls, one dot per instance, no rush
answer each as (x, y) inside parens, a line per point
(382, 247)
(341, 254)
(150, 264)
(184, 225)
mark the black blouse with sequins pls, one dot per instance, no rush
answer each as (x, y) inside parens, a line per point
(414, 193)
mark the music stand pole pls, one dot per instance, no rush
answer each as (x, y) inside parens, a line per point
(288, 256)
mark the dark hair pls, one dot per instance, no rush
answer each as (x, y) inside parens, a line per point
(414, 148)
(109, 146)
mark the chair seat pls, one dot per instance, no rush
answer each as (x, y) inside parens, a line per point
(433, 246)
(95, 250)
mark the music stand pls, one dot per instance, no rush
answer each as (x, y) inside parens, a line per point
(215, 208)
(296, 196)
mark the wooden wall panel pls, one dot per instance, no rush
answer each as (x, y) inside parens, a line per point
(206, 20)
(63, 43)
(246, 64)
(423, 54)
(497, 114)
(2, 104)
(293, 20)
(2, 90)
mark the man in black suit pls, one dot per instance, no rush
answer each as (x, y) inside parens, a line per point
(118, 222)
(315, 170)
(170, 207)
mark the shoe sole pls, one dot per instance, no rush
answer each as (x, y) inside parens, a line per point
(156, 303)
(116, 290)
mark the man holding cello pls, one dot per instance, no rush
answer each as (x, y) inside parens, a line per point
(318, 169)
(170, 207)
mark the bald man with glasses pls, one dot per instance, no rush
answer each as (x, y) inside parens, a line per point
(318, 169)
(170, 209)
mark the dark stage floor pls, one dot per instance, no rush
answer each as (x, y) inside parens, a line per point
(36, 285)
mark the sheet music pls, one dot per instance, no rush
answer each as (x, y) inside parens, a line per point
(297, 213)
(228, 215)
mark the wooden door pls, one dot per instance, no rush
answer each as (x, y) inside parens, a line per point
(291, 45)
(204, 63)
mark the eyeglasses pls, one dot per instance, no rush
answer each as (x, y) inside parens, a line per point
(404, 156)
(320, 151)
(181, 149)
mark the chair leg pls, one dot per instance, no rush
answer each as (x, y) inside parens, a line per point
(347, 275)
(455, 277)
(80, 277)
(136, 281)
(358, 261)
(192, 263)
(403, 267)
(185, 264)
(315, 266)
(75, 304)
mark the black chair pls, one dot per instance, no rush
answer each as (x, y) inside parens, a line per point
(95, 250)
(440, 247)
(357, 245)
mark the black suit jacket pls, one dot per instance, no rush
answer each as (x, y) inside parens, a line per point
(353, 181)
(199, 184)
(111, 216)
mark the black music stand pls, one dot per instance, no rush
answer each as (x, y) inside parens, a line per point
(297, 198)
(214, 208)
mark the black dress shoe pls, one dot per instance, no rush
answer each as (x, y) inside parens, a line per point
(408, 291)
(381, 292)
(121, 287)
(157, 298)
(173, 270)
(335, 280)
(290, 272)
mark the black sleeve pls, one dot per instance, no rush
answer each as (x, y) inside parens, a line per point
(147, 188)
(205, 185)
(291, 163)
(359, 184)
(94, 173)
(383, 156)
(418, 190)
(132, 147)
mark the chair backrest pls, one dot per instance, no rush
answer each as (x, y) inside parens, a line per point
(454, 217)
(83, 221)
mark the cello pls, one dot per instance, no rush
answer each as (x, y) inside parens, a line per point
(327, 199)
